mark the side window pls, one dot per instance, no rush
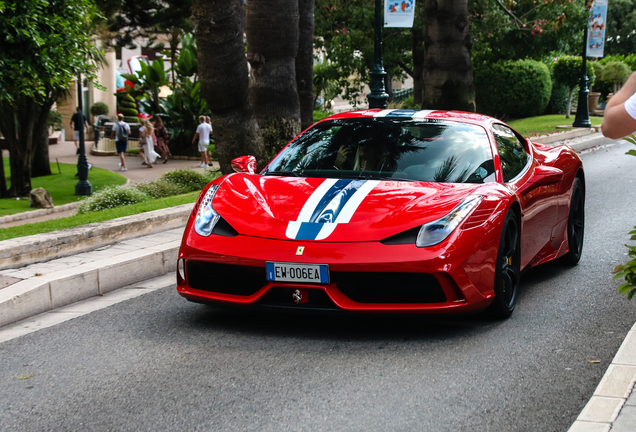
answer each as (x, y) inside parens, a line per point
(512, 154)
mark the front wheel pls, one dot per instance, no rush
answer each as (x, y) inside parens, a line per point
(576, 224)
(508, 269)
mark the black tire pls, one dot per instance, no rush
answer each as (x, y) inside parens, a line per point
(576, 224)
(508, 269)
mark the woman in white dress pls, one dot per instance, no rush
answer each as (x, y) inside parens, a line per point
(146, 143)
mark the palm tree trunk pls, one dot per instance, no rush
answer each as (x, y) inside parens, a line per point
(448, 73)
(224, 80)
(305, 62)
(272, 46)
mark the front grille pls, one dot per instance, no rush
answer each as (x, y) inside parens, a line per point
(283, 296)
(377, 287)
(225, 278)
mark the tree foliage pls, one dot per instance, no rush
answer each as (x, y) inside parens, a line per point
(519, 29)
(620, 36)
(45, 44)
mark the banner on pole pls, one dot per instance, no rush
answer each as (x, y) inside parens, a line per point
(399, 13)
(596, 30)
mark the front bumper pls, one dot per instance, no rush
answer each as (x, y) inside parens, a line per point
(365, 276)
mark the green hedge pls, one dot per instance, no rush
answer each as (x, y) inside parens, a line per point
(512, 89)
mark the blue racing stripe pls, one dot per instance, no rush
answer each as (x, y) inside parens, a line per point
(331, 204)
(308, 231)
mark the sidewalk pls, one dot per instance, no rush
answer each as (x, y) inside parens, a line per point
(35, 295)
(64, 152)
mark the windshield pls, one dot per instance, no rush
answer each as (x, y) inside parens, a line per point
(427, 151)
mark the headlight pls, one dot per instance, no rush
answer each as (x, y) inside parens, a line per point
(436, 231)
(206, 217)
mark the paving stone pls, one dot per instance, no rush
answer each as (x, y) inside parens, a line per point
(626, 421)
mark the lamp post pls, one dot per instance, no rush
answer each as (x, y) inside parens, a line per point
(378, 96)
(582, 118)
(83, 187)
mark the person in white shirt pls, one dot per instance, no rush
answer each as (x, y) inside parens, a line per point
(619, 119)
(203, 133)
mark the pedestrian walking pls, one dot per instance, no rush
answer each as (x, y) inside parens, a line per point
(121, 130)
(209, 152)
(203, 134)
(146, 143)
(619, 119)
(162, 138)
(78, 120)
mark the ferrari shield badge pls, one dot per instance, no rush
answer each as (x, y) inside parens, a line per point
(300, 250)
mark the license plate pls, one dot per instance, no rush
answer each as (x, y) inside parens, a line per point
(290, 272)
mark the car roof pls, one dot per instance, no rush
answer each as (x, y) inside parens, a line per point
(461, 116)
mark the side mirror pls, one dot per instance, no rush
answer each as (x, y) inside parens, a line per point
(244, 164)
(542, 176)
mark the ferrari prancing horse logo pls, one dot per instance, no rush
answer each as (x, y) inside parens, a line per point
(297, 296)
(300, 250)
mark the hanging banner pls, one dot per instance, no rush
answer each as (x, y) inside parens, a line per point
(399, 13)
(596, 31)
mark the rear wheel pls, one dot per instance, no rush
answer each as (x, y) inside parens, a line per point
(508, 270)
(576, 224)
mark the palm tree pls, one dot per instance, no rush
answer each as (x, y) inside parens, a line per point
(448, 73)
(272, 46)
(224, 80)
(305, 62)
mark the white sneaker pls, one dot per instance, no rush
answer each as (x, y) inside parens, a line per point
(124, 169)
(202, 165)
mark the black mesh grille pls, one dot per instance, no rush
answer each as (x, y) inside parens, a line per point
(282, 296)
(375, 287)
(225, 278)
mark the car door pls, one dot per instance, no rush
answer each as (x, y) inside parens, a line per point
(538, 206)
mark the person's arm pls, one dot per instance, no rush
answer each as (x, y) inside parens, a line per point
(196, 135)
(617, 122)
(112, 132)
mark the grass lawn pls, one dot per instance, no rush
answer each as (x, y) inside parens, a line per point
(543, 125)
(72, 221)
(60, 186)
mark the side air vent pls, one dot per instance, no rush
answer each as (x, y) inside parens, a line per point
(480, 215)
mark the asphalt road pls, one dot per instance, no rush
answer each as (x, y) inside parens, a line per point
(159, 363)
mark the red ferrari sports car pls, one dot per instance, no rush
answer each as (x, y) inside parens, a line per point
(386, 211)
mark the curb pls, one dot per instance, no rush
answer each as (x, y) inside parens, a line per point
(27, 250)
(37, 213)
(36, 295)
(612, 392)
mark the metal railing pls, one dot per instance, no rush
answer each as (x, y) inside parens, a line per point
(400, 94)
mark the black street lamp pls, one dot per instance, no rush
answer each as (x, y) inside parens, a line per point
(83, 187)
(582, 118)
(378, 96)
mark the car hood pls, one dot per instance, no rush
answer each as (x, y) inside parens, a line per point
(341, 210)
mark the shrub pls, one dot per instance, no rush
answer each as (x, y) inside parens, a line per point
(616, 73)
(558, 99)
(161, 188)
(512, 89)
(99, 108)
(111, 197)
(190, 180)
(54, 119)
